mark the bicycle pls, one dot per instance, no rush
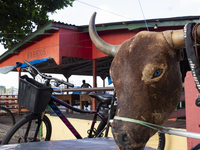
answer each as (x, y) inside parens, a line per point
(37, 116)
(38, 113)
(31, 122)
(7, 120)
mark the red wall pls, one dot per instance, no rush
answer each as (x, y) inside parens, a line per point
(115, 37)
(192, 111)
(75, 44)
(70, 43)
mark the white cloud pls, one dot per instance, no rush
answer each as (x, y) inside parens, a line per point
(2, 49)
(106, 16)
(186, 3)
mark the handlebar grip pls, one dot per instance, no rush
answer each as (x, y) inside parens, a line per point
(29, 64)
(66, 83)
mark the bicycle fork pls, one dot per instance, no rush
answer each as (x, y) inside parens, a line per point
(38, 125)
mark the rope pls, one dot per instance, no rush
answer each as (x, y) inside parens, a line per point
(143, 15)
(190, 51)
(197, 40)
(147, 124)
(161, 128)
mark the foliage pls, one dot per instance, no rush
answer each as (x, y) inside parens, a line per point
(20, 17)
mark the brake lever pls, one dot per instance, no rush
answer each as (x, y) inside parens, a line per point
(56, 84)
(31, 71)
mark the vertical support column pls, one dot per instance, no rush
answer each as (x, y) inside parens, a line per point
(94, 82)
(67, 77)
(67, 85)
(192, 111)
(19, 106)
(103, 77)
(103, 85)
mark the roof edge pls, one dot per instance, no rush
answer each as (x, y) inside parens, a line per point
(38, 32)
(136, 24)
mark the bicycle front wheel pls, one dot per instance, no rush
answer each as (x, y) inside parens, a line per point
(157, 141)
(7, 120)
(26, 128)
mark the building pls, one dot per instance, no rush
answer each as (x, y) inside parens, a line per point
(68, 50)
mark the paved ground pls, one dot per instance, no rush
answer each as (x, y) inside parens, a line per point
(4, 128)
(5, 125)
(80, 144)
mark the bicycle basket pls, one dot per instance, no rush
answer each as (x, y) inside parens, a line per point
(33, 95)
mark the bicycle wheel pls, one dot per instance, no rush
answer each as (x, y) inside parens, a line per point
(157, 141)
(161, 145)
(25, 129)
(102, 124)
(7, 120)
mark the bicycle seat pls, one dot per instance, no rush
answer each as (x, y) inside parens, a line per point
(103, 98)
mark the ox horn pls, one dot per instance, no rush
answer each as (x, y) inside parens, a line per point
(178, 38)
(104, 47)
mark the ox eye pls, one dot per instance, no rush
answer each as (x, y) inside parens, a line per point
(157, 73)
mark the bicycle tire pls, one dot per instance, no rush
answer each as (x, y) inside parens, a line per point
(7, 120)
(100, 127)
(14, 136)
(102, 124)
(161, 145)
(157, 141)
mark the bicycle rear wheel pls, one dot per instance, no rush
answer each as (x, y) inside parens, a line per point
(103, 123)
(7, 120)
(25, 129)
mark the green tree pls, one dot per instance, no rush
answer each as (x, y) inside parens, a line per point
(20, 17)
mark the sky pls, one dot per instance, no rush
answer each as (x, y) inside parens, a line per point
(114, 11)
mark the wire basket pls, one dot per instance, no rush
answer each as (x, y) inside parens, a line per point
(33, 95)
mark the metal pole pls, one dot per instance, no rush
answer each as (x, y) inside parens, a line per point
(181, 133)
(94, 82)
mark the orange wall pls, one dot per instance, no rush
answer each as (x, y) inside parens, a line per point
(47, 46)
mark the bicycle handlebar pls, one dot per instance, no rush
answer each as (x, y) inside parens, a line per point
(48, 77)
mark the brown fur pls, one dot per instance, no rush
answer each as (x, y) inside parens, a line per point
(140, 96)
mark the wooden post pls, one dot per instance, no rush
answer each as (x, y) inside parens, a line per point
(103, 85)
(67, 77)
(94, 81)
(103, 77)
(67, 85)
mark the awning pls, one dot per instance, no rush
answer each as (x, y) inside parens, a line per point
(37, 61)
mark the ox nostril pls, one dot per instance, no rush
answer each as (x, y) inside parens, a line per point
(124, 137)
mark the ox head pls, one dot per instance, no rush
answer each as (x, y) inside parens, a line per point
(147, 80)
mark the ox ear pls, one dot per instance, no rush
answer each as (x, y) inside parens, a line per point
(168, 37)
(180, 55)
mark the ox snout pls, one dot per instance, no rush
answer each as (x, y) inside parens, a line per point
(126, 140)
